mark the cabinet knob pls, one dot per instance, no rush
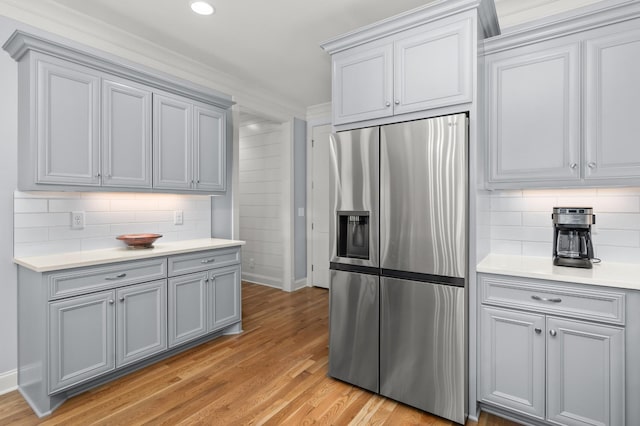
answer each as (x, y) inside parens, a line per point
(538, 330)
(122, 298)
(388, 104)
(206, 280)
(111, 301)
(573, 165)
(397, 102)
(591, 165)
(552, 333)
(198, 181)
(97, 175)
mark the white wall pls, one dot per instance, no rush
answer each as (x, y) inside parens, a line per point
(519, 222)
(8, 182)
(261, 190)
(42, 220)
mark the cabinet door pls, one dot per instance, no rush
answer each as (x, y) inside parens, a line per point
(362, 84)
(141, 321)
(585, 373)
(68, 123)
(126, 135)
(81, 339)
(209, 149)
(224, 297)
(512, 360)
(433, 68)
(187, 307)
(612, 93)
(534, 114)
(172, 132)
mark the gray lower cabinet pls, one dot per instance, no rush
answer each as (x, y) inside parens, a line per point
(81, 339)
(537, 361)
(203, 302)
(91, 335)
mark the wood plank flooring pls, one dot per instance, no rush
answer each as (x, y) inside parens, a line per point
(274, 373)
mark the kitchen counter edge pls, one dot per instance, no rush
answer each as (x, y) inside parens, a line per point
(606, 274)
(79, 259)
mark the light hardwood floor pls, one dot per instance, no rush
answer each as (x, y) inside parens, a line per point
(273, 373)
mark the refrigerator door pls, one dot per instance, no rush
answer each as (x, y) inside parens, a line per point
(354, 193)
(422, 346)
(353, 328)
(423, 196)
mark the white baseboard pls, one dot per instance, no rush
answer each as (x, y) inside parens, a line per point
(262, 280)
(301, 283)
(8, 381)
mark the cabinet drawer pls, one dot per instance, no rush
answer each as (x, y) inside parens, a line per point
(554, 298)
(79, 281)
(202, 261)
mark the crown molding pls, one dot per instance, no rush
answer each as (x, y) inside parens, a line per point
(413, 18)
(53, 21)
(578, 20)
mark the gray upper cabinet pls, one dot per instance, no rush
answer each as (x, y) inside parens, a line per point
(141, 321)
(612, 90)
(209, 148)
(534, 113)
(81, 339)
(87, 122)
(126, 134)
(172, 117)
(418, 69)
(67, 123)
(562, 111)
(189, 142)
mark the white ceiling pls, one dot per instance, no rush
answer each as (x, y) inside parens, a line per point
(273, 45)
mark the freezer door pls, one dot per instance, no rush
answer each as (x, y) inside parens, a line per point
(354, 328)
(422, 350)
(354, 192)
(423, 196)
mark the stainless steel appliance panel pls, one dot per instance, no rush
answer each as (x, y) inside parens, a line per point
(423, 196)
(354, 187)
(422, 346)
(354, 328)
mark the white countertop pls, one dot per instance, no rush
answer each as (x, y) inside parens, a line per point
(608, 274)
(77, 259)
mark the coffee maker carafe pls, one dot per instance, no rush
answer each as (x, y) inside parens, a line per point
(572, 236)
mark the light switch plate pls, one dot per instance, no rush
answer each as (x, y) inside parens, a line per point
(301, 211)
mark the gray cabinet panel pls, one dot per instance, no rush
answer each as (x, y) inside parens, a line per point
(209, 148)
(187, 307)
(141, 321)
(126, 134)
(172, 133)
(611, 109)
(534, 113)
(81, 339)
(224, 297)
(585, 373)
(68, 122)
(512, 360)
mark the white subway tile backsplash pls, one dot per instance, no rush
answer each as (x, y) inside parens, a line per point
(27, 205)
(42, 222)
(616, 234)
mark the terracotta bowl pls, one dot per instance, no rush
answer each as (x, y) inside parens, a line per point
(139, 241)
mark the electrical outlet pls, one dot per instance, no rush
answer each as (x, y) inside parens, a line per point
(252, 263)
(77, 220)
(178, 217)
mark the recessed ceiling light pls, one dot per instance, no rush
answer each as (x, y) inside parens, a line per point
(202, 7)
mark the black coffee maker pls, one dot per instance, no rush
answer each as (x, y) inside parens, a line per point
(572, 236)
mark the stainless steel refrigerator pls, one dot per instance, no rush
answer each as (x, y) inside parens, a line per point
(398, 236)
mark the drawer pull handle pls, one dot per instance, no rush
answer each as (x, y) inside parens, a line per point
(117, 277)
(208, 260)
(538, 330)
(544, 299)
